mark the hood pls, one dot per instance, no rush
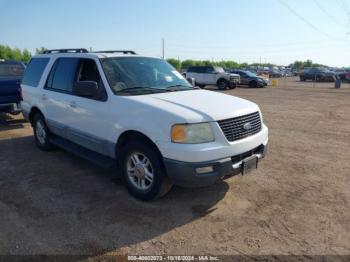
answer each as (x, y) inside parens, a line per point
(233, 74)
(199, 105)
(261, 78)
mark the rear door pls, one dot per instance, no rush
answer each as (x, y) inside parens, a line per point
(209, 75)
(57, 94)
(194, 71)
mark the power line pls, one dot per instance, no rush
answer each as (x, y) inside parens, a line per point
(303, 19)
(343, 6)
(331, 17)
(304, 44)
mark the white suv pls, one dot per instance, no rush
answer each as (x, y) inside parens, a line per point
(212, 75)
(140, 113)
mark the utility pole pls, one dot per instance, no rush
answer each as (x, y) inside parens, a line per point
(163, 48)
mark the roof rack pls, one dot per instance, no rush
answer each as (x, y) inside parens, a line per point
(117, 51)
(68, 50)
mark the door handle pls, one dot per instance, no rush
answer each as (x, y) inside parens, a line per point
(43, 97)
(73, 104)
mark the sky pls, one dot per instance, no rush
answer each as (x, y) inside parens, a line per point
(276, 31)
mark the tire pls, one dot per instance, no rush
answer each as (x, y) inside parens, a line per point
(302, 79)
(222, 84)
(41, 133)
(253, 84)
(143, 171)
(232, 86)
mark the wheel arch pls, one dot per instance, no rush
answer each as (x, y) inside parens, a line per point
(130, 135)
(34, 111)
(221, 79)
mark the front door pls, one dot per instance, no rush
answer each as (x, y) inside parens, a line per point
(91, 117)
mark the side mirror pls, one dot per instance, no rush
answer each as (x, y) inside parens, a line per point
(192, 81)
(85, 88)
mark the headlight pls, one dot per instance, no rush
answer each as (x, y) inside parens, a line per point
(191, 133)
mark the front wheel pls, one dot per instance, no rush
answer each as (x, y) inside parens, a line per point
(253, 84)
(232, 86)
(144, 172)
(222, 84)
(41, 133)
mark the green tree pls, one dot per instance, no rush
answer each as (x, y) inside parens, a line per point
(175, 63)
(26, 56)
(40, 50)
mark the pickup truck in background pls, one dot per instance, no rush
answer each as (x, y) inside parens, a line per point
(11, 73)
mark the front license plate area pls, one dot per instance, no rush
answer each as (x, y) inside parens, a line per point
(249, 164)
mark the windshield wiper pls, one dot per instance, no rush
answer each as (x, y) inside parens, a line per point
(176, 87)
(142, 88)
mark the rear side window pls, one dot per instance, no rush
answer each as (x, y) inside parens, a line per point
(63, 72)
(201, 70)
(192, 69)
(34, 71)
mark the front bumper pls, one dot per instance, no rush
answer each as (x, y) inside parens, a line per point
(186, 173)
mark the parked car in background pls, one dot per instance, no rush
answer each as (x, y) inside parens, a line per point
(271, 72)
(347, 76)
(212, 75)
(250, 79)
(317, 74)
(117, 107)
(340, 73)
(11, 73)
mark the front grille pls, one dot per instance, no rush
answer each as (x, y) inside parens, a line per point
(235, 78)
(241, 127)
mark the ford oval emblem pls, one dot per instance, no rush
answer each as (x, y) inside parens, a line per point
(247, 126)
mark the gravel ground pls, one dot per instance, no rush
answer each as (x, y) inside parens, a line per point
(298, 202)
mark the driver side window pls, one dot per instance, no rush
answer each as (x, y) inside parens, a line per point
(88, 71)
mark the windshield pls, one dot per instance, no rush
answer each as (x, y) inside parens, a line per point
(219, 70)
(11, 70)
(250, 74)
(135, 74)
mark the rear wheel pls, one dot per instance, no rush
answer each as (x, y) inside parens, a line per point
(143, 171)
(41, 133)
(222, 84)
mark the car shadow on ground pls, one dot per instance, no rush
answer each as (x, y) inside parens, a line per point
(69, 206)
(8, 122)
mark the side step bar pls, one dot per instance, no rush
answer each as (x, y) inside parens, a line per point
(96, 158)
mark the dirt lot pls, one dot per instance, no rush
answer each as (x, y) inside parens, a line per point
(298, 202)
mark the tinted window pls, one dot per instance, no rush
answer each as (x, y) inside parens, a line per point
(192, 69)
(64, 75)
(201, 69)
(34, 71)
(209, 70)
